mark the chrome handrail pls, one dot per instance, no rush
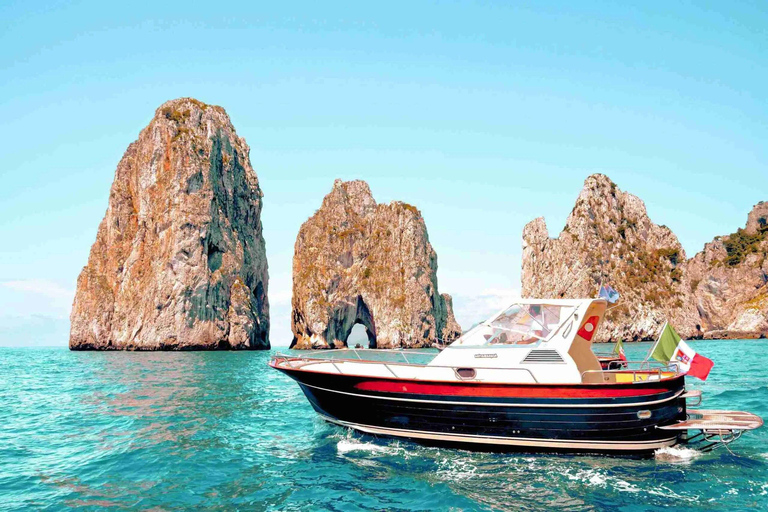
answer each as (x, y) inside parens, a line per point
(647, 364)
(605, 354)
(321, 357)
(659, 370)
(333, 361)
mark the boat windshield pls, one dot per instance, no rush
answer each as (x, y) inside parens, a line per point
(519, 324)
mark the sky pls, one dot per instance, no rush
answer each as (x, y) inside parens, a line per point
(485, 115)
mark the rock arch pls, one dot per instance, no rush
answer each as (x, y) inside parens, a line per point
(362, 316)
(359, 262)
(340, 324)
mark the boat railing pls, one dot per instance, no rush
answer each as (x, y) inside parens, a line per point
(386, 364)
(351, 354)
(644, 365)
(642, 371)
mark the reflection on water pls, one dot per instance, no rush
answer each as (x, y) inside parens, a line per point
(220, 431)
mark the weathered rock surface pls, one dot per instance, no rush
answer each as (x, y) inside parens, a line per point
(357, 261)
(609, 238)
(729, 280)
(179, 260)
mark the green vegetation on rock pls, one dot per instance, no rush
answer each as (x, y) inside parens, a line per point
(741, 244)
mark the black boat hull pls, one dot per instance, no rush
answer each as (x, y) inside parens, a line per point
(592, 418)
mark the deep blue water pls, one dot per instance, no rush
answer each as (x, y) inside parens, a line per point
(222, 431)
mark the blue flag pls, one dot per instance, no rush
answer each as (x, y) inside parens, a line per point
(609, 294)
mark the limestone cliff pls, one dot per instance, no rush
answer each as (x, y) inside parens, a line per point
(609, 238)
(357, 261)
(179, 260)
(729, 280)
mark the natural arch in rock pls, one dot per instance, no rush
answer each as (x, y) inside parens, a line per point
(360, 337)
(359, 262)
(341, 324)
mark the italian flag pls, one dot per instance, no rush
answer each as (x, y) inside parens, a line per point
(618, 349)
(671, 349)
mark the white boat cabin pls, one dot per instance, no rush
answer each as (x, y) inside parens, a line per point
(531, 341)
(544, 340)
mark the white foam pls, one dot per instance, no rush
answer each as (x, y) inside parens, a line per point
(676, 454)
(353, 445)
(624, 486)
(590, 477)
(598, 478)
(666, 492)
(454, 469)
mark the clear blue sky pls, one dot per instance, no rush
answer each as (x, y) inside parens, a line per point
(483, 114)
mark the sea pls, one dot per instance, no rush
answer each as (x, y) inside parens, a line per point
(222, 431)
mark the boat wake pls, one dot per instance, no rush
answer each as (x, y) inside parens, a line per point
(348, 445)
(676, 454)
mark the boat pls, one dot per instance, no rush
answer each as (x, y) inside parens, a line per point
(609, 362)
(525, 379)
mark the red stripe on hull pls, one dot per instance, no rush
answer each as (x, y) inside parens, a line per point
(489, 390)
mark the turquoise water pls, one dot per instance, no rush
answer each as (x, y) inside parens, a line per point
(221, 431)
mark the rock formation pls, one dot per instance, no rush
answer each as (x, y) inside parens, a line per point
(179, 260)
(357, 261)
(729, 280)
(609, 238)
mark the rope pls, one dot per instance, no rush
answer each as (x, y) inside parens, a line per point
(725, 445)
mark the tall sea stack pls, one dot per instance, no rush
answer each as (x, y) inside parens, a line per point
(179, 261)
(357, 261)
(609, 239)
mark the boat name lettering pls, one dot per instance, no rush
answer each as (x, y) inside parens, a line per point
(486, 356)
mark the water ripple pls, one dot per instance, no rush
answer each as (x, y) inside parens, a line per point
(220, 431)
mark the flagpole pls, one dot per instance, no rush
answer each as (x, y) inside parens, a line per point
(657, 342)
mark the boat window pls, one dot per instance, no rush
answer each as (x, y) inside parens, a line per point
(520, 324)
(524, 324)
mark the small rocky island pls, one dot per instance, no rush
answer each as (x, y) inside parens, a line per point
(359, 262)
(179, 261)
(609, 238)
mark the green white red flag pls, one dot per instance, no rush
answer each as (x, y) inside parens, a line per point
(672, 349)
(618, 349)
